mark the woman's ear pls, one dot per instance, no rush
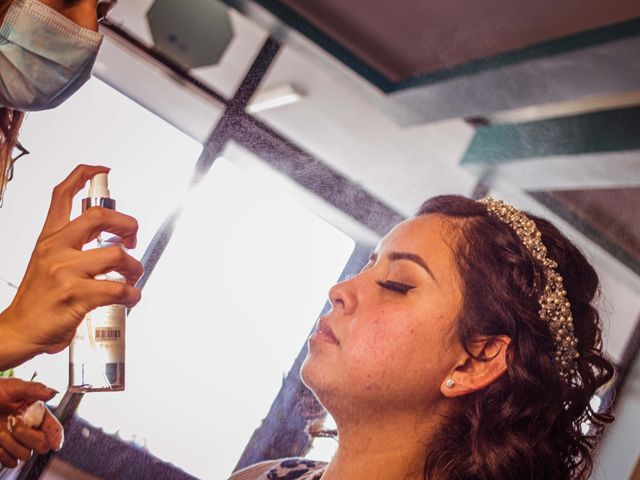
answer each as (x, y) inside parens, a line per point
(471, 374)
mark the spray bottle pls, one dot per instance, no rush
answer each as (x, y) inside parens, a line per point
(97, 352)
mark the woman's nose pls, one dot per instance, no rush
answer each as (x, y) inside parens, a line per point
(343, 297)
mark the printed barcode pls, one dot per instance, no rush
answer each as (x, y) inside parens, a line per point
(107, 334)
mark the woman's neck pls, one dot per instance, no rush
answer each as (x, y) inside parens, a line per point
(384, 447)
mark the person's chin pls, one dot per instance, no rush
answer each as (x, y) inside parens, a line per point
(314, 373)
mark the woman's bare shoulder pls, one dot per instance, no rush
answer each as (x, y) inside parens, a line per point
(280, 469)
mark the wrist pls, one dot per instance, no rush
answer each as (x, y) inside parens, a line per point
(15, 347)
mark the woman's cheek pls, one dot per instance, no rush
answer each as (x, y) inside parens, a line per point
(378, 343)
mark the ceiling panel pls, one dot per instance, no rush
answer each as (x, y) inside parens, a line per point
(610, 214)
(407, 38)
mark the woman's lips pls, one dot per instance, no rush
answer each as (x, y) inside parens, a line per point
(324, 333)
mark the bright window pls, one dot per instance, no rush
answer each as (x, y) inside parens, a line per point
(151, 163)
(223, 317)
(230, 303)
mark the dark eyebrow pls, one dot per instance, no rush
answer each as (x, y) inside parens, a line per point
(412, 257)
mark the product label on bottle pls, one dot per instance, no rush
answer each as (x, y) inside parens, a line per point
(97, 354)
(108, 330)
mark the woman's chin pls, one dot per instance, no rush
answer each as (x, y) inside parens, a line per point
(315, 374)
(307, 373)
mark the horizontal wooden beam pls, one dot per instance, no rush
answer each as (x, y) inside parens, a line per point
(596, 132)
(592, 150)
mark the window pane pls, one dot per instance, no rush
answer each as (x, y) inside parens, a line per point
(151, 164)
(323, 448)
(222, 318)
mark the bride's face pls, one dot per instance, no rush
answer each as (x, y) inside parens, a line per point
(393, 323)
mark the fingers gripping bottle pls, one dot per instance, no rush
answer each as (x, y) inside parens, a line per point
(97, 352)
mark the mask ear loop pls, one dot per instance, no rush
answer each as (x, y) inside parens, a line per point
(23, 151)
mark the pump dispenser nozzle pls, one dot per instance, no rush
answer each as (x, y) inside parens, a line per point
(98, 194)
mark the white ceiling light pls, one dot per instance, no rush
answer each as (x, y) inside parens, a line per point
(274, 97)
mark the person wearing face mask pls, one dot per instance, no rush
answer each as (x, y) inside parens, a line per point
(47, 51)
(45, 57)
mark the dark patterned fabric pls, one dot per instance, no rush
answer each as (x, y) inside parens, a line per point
(297, 468)
(294, 468)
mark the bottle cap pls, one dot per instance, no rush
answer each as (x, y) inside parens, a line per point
(99, 186)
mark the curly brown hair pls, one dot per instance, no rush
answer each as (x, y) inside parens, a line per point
(528, 423)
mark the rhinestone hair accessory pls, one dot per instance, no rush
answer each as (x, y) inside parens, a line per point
(555, 309)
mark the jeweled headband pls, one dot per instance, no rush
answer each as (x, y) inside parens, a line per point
(555, 309)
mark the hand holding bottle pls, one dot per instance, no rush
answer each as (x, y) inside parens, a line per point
(59, 287)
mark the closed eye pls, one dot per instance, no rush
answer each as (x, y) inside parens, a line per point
(395, 286)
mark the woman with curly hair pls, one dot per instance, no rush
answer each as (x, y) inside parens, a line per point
(468, 348)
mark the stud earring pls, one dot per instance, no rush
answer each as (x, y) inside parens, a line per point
(450, 383)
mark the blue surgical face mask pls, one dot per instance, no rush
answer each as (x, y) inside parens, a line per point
(44, 57)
